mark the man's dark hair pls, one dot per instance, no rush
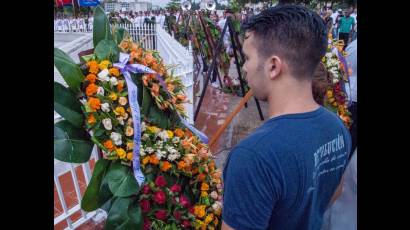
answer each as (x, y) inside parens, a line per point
(292, 32)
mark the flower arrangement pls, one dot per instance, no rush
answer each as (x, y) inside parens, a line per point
(335, 95)
(182, 188)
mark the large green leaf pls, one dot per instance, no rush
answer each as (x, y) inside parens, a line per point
(66, 104)
(107, 49)
(91, 196)
(146, 101)
(101, 26)
(105, 193)
(71, 144)
(68, 69)
(125, 214)
(121, 180)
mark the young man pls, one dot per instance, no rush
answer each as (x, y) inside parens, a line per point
(346, 26)
(284, 175)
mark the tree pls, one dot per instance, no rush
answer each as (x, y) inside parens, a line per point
(174, 5)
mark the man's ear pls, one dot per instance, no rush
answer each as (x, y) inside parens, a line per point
(275, 67)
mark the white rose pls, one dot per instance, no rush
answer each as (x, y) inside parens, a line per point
(145, 137)
(100, 91)
(163, 135)
(105, 107)
(328, 55)
(142, 152)
(116, 138)
(174, 156)
(107, 123)
(160, 143)
(149, 150)
(216, 206)
(214, 195)
(125, 116)
(143, 127)
(122, 101)
(103, 75)
(113, 81)
(160, 154)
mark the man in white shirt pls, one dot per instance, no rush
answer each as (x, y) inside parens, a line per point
(334, 18)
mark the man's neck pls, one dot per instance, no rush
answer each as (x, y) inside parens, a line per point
(290, 100)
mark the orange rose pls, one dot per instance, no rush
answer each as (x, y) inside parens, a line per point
(94, 103)
(179, 133)
(120, 86)
(153, 160)
(170, 87)
(204, 187)
(91, 89)
(181, 165)
(91, 119)
(124, 45)
(145, 160)
(114, 72)
(91, 78)
(165, 166)
(134, 47)
(109, 145)
(93, 67)
(149, 59)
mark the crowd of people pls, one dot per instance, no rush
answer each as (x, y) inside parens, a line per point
(73, 24)
(139, 17)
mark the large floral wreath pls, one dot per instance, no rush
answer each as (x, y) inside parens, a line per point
(336, 98)
(155, 171)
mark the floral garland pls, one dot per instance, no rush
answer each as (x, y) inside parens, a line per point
(182, 187)
(155, 169)
(335, 97)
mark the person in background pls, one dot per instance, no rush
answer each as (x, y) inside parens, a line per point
(346, 25)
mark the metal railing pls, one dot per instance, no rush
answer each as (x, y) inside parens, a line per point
(144, 33)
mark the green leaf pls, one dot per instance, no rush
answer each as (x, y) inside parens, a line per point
(66, 104)
(71, 144)
(125, 213)
(88, 57)
(120, 34)
(101, 26)
(91, 196)
(146, 101)
(121, 180)
(105, 193)
(68, 69)
(107, 50)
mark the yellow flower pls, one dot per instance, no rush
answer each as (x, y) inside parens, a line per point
(119, 111)
(130, 145)
(129, 131)
(153, 129)
(145, 160)
(204, 194)
(104, 64)
(170, 134)
(121, 153)
(113, 96)
(209, 218)
(129, 156)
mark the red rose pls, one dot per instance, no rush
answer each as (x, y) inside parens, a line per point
(186, 224)
(161, 214)
(183, 200)
(146, 189)
(145, 205)
(160, 197)
(177, 215)
(160, 181)
(176, 188)
(192, 210)
(147, 224)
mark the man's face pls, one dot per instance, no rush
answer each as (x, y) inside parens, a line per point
(254, 67)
